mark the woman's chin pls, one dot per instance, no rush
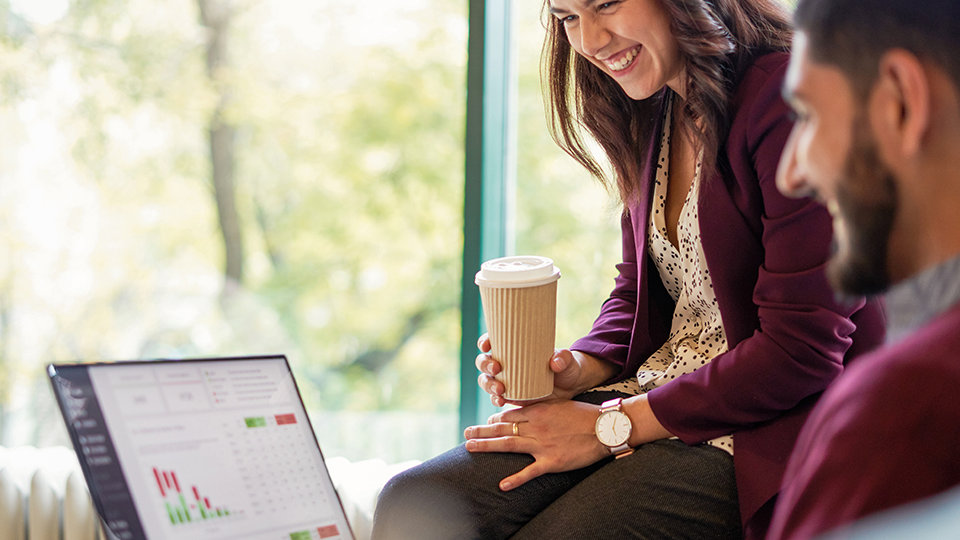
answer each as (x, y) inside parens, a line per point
(640, 93)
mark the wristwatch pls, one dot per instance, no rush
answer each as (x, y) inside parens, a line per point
(613, 428)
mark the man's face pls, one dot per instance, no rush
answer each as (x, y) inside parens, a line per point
(831, 154)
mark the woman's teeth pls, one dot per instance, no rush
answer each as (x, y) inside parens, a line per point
(624, 61)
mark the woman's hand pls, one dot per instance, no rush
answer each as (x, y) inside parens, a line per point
(573, 373)
(559, 434)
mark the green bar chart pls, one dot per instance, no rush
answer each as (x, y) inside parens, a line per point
(185, 506)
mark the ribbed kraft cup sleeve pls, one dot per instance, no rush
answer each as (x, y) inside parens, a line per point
(521, 323)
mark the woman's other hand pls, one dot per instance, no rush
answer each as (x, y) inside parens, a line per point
(573, 372)
(558, 434)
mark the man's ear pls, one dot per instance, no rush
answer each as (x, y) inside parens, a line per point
(902, 97)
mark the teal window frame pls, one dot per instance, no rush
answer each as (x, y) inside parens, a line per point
(489, 173)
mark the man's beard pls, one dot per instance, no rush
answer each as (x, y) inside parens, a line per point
(867, 203)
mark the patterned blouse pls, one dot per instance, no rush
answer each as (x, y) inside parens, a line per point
(696, 333)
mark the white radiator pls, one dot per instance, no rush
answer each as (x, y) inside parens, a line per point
(43, 495)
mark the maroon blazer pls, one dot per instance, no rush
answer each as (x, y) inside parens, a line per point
(788, 335)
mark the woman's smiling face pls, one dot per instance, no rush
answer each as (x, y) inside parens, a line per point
(630, 40)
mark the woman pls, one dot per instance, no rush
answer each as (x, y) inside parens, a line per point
(721, 330)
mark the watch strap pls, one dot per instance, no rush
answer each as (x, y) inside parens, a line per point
(620, 451)
(614, 404)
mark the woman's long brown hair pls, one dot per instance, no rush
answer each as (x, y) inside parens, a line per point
(717, 39)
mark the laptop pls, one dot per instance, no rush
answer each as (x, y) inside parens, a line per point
(198, 449)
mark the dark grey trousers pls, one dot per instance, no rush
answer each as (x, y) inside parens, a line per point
(665, 489)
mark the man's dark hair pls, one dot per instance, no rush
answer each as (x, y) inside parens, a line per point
(853, 34)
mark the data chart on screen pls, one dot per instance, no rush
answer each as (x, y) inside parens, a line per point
(216, 450)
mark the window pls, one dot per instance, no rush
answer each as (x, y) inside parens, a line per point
(216, 177)
(213, 177)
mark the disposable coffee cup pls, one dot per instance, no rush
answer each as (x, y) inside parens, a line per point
(519, 297)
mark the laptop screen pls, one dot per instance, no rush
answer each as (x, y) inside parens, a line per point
(199, 449)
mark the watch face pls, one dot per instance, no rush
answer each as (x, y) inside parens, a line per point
(613, 428)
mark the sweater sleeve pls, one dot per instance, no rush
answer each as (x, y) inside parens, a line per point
(882, 437)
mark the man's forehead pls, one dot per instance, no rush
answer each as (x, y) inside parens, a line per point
(808, 79)
(798, 67)
(813, 84)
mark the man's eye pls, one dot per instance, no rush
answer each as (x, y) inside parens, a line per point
(797, 117)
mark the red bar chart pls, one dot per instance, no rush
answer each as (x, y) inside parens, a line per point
(185, 507)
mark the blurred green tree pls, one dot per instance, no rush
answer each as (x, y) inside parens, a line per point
(157, 154)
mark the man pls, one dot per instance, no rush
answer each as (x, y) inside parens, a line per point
(876, 88)
(936, 517)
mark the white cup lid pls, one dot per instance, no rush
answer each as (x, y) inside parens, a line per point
(517, 271)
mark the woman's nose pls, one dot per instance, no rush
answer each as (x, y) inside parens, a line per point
(593, 37)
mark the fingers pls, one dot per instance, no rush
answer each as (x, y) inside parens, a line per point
(494, 430)
(486, 364)
(509, 415)
(484, 343)
(503, 435)
(489, 368)
(561, 360)
(506, 443)
(525, 475)
(493, 387)
(516, 444)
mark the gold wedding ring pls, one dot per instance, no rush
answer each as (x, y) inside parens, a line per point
(516, 429)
